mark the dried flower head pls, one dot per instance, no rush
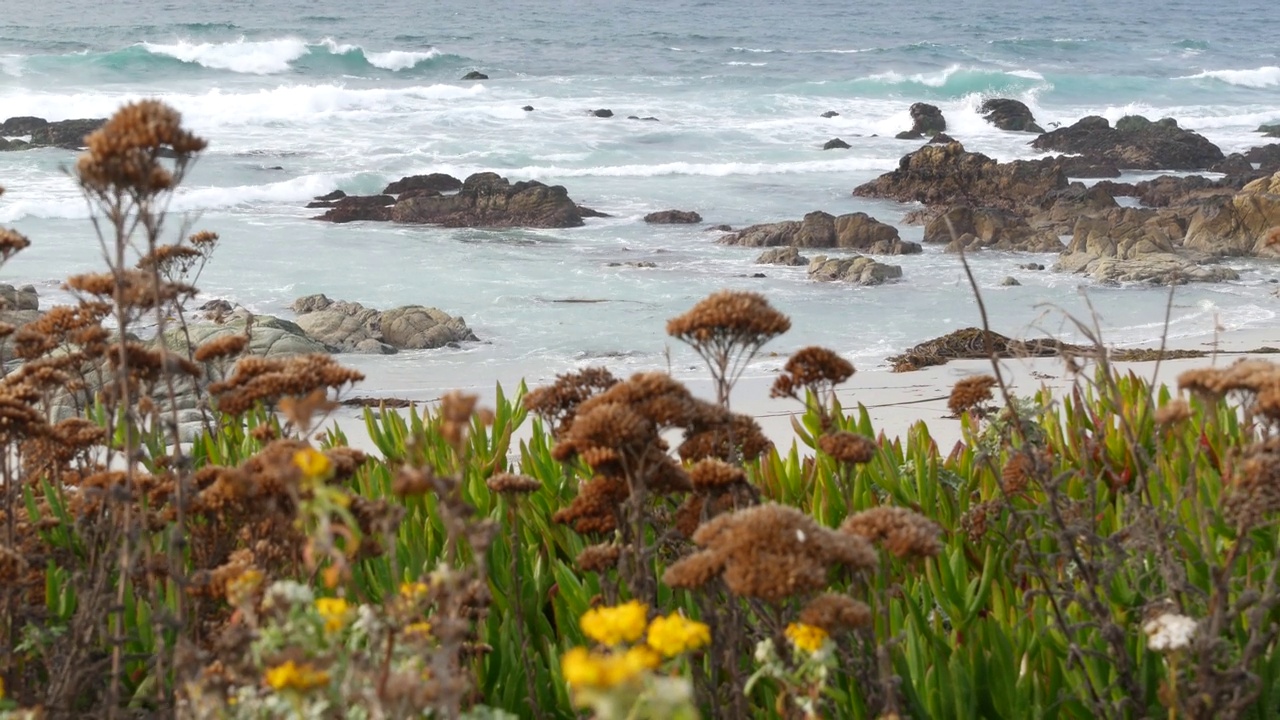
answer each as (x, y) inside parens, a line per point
(1254, 491)
(599, 558)
(1021, 467)
(595, 507)
(11, 243)
(971, 393)
(722, 435)
(513, 484)
(903, 532)
(848, 447)
(558, 402)
(816, 369)
(258, 379)
(220, 347)
(1250, 376)
(713, 474)
(834, 612)
(727, 329)
(770, 552)
(126, 151)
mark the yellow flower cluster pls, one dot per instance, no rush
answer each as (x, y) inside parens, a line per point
(293, 676)
(585, 669)
(808, 638)
(335, 612)
(313, 463)
(419, 628)
(413, 590)
(614, 625)
(676, 634)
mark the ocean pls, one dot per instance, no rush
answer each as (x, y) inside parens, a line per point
(298, 99)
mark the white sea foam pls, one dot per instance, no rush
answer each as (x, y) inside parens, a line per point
(749, 64)
(687, 168)
(389, 60)
(1261, 77)
(11, 65)
(257, 57)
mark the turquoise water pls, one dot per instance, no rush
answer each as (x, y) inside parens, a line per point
(299, 100)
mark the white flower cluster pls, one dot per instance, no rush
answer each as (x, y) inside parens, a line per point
(1169, 632)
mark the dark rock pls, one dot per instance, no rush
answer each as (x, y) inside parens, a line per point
(854, 231)
(1272, 130)
(830, 114)
(1031, 266)
(1267, 157)
(27, 125)
(941, 139)
(527, 108)
(1233, 164)
(217, 309)
(642, 264)
(489, 200)
(1078, 166)
(587, 212)
(789, 256)
(989, 228)
(439, 182)
(926, 121)
(1012, 115)
(758, 275)
(416, 192)
(68, 134)
(1135, 143)
(602, 113)
(1115, 189)
(836, 144)
(673, 217)
(721, 228)
(1173, 191)
(1060, 209)
(330, 197)
(475, 75)
(359, 207)
(644, 119)
(949, 175)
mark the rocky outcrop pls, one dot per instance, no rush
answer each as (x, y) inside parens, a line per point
(950, 175)
(1154, 268)
(1267, 157)
(1272, 130)
(1172, 191)
(788, 256)
(68, 134)
(19, 298)
(439, 182)
(1134, 143)
(268, 336)
(926, 121)
(1011, 115)
(1246, 223)
(489, 200)
(475, 75)
(1060, 209)
(977, 228)
(351, 208)
(830, 114)
(856, 269)
(1078, 166)
(1137, 245)
(854, 231)
(351, 327)
(836, 144)
(601, 113)
(673, 217)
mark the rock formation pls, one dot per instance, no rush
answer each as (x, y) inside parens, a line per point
(1134, 143)
(854, 231)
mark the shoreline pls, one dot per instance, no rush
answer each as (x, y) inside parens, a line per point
(894, 401)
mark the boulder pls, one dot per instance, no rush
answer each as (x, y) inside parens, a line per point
(475, 75)
(359, 207)
(1134, 143)
(1012, 115)
(330, 197)
(489, 200)
(527, 108)
(1078, 166)
(949, 175)
(414, 327)
(19, 298)
(854, 231)
(673, 217)
(1233, 164)
(601, 113)
(1009, 281)
(941, 139)
(1267, 157)
(1272, 130)
(351, 327)
(269, 337)
(1242, 224)
(830, 114)
(1127, 233)
(439, 182)
(856, 269)
(788, 255)
(989, 228)
(68, 134)
(836, 144)
(1173, 191)
(926, 120)
(587, 212)
(1152, 268)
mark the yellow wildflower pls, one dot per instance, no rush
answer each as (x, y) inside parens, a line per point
(1, 688)
(614, 625)
(419, 628)
(585, 669)
(313, 463)
(335, 612)
(296, 677)
(413, 590)
(675, 634)
(808, 638)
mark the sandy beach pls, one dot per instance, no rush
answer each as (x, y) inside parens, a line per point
(895, 401)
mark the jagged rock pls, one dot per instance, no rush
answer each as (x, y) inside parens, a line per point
(1266, 156)
(1244, 224)
(68, 134)
(359, 207)
(351, 327)
(1061, 209)
(475, 75)
(1077, 166)
(1009, 281)
(789, 256)
(587, 212)
(673, 217)
(489, 200)
(331, 197)
(270, 336)
(1012, 115)
(1233, 164)
(989, 228)
(1127, 233)
(1172, 191)
(941, 139)
(1135, 143)
(602, 113)
(926, 120)
(856, 269)
(19, 298)
(439, 182)
(854, 231)
(830, 114)
(1153, 268)
(836, 144)
(1272, 130)
(949, 175)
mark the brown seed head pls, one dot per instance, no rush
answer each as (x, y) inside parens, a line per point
(556, 403)
(220, 347)
(1173, 412)
(815, 368)
(125, 152)
(848, 447)
(713, 474)
(971, 393)
(599, 558)
(835, 613)
(11, 243)
(513, 484)
(729, 318)
(901, 531)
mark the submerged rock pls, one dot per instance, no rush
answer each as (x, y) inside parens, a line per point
(855, 269)
(673, 217)
(926, 120)
(601, 113)
(1012, 115)
(475, 75)
(836, 144)
(67, 134)
(1134, 143)
(489, 200)
(830, 114)
(351, 208)
(788, 256)
(1152, 268)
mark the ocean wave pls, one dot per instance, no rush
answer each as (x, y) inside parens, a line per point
(257, 57)
(835, 51)
(1261, 77)
(686, 168)
(11, 65)
(955, 81)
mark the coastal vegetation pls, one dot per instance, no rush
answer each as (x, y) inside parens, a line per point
(638, 552)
